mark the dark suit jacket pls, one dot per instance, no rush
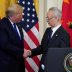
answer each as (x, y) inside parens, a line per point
(59, 40)
(11, 48)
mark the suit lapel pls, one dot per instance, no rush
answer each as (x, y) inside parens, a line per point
(21, 32)
(56, 34)
(10, 27)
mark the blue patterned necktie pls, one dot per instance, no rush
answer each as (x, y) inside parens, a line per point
(50, 33)
(15, 28)
(14, 25)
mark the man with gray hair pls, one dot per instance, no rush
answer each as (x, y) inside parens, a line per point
(11, 41)
(54, 36)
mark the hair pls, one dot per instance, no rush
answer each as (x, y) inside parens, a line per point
(9, 13)
(13, 9)
(56, 12)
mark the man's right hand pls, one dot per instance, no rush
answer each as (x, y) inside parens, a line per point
(27, 53)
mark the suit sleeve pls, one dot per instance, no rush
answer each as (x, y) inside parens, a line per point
(7, 46)
(41, 48)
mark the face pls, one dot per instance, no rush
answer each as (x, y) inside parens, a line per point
(17, 17)
(51, 19)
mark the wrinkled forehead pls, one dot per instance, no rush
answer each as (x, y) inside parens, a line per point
(50, 13)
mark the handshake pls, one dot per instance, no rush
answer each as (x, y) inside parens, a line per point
(26, 53)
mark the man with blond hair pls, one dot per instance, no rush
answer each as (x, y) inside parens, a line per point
(11, 41)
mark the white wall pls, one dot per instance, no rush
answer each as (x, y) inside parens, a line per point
(44, 5)
(55, 3)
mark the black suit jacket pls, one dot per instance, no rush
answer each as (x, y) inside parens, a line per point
(11, 48)
(60, 39)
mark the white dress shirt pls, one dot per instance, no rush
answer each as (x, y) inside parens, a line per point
(54, 29)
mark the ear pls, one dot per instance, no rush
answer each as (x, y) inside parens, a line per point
(12, 17)
(57, 18)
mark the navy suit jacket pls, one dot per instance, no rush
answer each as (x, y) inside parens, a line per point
(11, 48)
(60, 39)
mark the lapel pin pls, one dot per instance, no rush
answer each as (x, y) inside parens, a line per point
(56, 35)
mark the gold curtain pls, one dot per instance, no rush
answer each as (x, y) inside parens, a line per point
(36, 2)
(4, 4)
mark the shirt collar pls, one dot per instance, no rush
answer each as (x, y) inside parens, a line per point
(11, 22)
(55, 28)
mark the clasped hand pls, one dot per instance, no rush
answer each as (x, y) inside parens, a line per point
(26, 53)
